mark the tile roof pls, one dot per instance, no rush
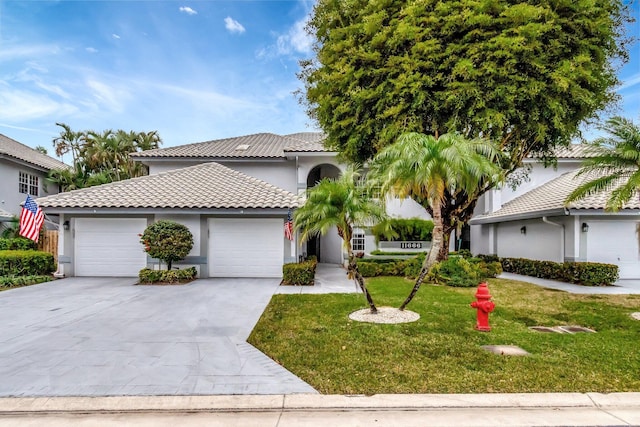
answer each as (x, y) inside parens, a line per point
(16, 150)
(550, 197)
(204, 186)
(575, 151)
(5, 216)
(572, 151)
(306, 142)
(260, 145)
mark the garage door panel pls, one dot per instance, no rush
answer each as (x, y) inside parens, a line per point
(246, 247)
(109, 247)
(615, 242)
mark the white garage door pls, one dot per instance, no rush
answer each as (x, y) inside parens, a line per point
(109, 247)
(615, 242)
(246, 247)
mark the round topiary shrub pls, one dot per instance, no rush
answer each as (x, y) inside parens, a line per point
(167, 241)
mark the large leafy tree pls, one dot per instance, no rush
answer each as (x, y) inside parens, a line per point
(427, 168)
(525, 74)
(614, 166)
(341, 203)
(100, 158)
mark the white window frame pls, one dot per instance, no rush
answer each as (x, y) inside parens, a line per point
(28, 184)
(358, 240)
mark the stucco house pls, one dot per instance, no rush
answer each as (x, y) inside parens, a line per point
(233, 194)
(23, 171)
(533, 222)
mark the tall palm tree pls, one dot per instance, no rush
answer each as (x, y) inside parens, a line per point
(425, 167)
(344, 204)
(615, 165)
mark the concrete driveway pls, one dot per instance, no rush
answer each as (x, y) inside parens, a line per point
(104, 336)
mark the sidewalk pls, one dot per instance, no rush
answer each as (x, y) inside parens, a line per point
(621, 287)
(556, 409)
(330, 279)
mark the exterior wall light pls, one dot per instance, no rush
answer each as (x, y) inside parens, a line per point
(585, 227)
(523, 230)
(66, 225)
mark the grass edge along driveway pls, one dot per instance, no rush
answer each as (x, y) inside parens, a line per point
(312, 336)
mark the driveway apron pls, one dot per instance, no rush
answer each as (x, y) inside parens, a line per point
(105, 336)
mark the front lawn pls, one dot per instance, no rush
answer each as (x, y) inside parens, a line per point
(312, 336)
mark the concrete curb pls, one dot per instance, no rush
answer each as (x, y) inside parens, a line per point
(296, 402)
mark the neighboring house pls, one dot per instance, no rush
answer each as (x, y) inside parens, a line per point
(533, 222)
(23, 171)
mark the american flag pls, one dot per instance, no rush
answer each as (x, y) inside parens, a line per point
(288, 226)
(31, 220)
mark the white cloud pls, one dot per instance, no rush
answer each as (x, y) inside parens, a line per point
(115, 36)
(91, 49)
(233, 26)
(295, 41)
(188, 10)
(630, 82)
(111, 97)
(8, 52)
(21, 106)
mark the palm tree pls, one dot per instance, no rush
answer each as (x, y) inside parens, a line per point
(340, 203)
(614, 167)
(425, 167)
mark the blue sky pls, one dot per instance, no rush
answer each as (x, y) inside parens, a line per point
(193, 70)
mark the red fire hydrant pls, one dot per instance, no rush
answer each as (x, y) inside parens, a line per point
(484, 307)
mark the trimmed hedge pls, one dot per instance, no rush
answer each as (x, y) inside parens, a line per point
(26, 263)
(411, 229)
(372, 267)
(581, 273)
(17, 244)
(299, 273)
(148, 276)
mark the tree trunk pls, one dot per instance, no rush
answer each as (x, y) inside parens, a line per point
(434, 252)
(355, 274)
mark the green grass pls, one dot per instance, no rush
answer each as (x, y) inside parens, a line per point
(312, 336)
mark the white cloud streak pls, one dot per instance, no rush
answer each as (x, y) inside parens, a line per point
(188, 10)
(233, 26)
(630, 82)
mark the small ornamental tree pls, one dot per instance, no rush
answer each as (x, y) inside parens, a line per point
(167, 241)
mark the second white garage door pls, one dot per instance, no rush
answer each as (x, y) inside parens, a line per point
(109, 247)
(246, 247)
(615, 242)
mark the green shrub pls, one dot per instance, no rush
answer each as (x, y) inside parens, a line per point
(583, 273)
(464, 253)
(167, 241)
(455, 271)
(17, 244)
(148, 276)
(463, 272)
(397, 229)
(299, 274)
(18, 281)
(26, 263)
(372, 267)
(489, 258)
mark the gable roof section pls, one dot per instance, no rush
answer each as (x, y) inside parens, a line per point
(15, 150)
(204, 186)
(260, 145)
(548, 199)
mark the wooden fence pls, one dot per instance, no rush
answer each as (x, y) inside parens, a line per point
(49, 243)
